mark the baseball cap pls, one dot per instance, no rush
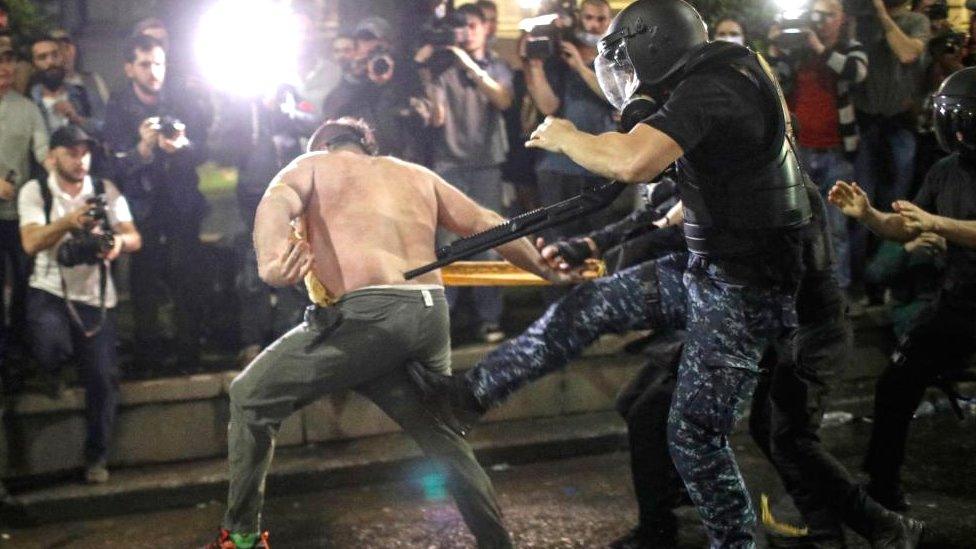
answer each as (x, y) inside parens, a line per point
(69, 136)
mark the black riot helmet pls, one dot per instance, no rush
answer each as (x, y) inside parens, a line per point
(648, 42)
(954, 113)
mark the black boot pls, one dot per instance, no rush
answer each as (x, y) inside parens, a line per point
(889, 495)
(894, 531)
(448, 397)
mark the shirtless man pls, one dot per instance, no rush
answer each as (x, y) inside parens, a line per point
(368, 220)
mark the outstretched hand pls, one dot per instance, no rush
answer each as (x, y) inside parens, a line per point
(915, 218)
(551, 134)
(849, 198)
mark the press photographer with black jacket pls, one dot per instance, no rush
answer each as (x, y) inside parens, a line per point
(74, 226)
(158, 140)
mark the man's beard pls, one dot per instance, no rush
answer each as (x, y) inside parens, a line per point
(146, 89)
(68, 177)
(52, 78)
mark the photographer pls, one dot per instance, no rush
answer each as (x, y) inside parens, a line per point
(156, 157)
(817, 76)
(74, 225)
(468, 99)
(565, 85)
(350, 86)
(384, 91)
(885, 102)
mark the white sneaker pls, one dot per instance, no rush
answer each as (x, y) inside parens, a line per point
(96, 473)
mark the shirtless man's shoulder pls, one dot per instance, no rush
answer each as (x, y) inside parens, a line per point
(338, 164)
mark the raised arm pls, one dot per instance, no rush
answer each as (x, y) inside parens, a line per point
(907, 48)
(957, 231)
(854, 203)
(283, 260)
(634, 157)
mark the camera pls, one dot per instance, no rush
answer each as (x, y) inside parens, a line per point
(950, 43)
(794, 26)
(379, 63)
(450, 30)
(545, 32)
(169, 126)
(86, 247)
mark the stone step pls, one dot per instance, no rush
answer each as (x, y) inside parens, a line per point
(313, 467)
(185, 418)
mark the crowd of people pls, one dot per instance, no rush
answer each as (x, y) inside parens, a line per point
(88, 175)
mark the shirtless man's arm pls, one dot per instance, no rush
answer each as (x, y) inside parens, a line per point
(282, 259)
(464, 217)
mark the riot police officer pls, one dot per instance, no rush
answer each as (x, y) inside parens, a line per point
(942, 338)
(723, 122)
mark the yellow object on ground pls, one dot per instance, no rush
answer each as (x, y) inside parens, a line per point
(773, 525)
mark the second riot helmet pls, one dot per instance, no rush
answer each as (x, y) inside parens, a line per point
(954, 113)
(648, 42)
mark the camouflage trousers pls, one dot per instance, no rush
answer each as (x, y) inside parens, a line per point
(646, 296)
(730, 327)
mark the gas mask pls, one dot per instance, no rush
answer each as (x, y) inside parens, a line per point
(637, 109)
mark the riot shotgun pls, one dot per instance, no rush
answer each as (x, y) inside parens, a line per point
(593, 198)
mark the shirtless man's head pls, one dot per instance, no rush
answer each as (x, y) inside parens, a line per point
(344, 133)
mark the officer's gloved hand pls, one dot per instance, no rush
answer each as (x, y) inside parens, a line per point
(574, 251)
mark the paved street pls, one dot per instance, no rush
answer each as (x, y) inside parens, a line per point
(578, 502)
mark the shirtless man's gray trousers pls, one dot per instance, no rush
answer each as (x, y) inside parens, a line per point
(362, 343)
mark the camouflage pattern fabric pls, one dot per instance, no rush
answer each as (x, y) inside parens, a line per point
(730, 327)
(647, 296)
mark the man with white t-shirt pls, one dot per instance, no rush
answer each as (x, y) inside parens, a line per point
(70, 308)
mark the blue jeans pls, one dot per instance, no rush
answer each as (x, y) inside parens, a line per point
(825, 167)
(887, 150)
(55, 338)
(484, 186)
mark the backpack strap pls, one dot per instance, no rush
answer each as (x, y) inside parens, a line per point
(48, 199)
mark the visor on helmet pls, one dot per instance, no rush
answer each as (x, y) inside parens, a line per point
(954, 122)
(615, 72)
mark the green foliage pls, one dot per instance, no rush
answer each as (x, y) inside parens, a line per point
(26, 20)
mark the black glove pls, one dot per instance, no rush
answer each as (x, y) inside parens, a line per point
(575, 251)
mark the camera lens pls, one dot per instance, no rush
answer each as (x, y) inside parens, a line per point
(381, 66)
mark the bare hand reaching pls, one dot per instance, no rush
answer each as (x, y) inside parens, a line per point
(915, 218)
(927, 241)
(850, 198)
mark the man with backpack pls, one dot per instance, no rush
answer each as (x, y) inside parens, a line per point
(74, 226)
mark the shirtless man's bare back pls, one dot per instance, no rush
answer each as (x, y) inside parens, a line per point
(367, 220)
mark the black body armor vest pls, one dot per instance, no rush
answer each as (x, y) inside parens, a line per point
(741, 211)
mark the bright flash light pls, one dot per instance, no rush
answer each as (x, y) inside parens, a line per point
(248, 47)
(530, 5)
(533, 22)
(793, 6)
